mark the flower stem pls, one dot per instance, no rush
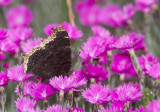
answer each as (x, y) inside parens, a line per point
(61, 98)
(137, 68)
(2, 98)
(109, 60)
(21, 89)
(77, 97)
(70, 99)
(45, 104)
(70, 12)
(155, 88)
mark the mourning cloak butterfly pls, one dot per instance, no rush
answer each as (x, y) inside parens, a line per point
(51, 58)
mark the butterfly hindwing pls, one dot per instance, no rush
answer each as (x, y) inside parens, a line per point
(52, 57)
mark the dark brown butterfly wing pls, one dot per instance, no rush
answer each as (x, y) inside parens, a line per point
(52, 57)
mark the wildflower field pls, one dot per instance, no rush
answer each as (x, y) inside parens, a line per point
(79, 56)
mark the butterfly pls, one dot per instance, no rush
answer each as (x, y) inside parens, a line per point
(51, 58)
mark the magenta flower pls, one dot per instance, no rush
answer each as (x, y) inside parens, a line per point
(98, 72)
(67, 83)
(76, 109)
(154, 71)
(147, 61)
(6, 66)
(146, 6)
(19, 16)
(2, 56)
(129, 41)
(100, 31)
(41, 91)
(3, 78)
(141, 109)
(115, 16)
(88, 15)
(17, 74)
(56, 108)
(25, 104)
(3, 33)
(29, 44)
(111, 109)
(153, 106)
(7, 46)
(72, 31)
(129, 11)
(5, 2)
(122, 64)
(27, 88)
(47, 28)
(127, 93)
(97, 94)
(92, 48)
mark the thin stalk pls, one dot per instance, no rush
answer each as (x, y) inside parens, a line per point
(70, 12)
(2, 98)
(61, 98)
(77, 97)
(45, 104)
(155, 88)
(70, 99)
(96, 108)
(109, 60)
(21, 89)
(137, 68)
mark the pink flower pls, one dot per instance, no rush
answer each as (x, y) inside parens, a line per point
(154, 71)
(76, 109)
(3, 33)
(27, 46)
(153, 106)
(141, 109)
(19, 35)
(27, 88)
(129, 11)
(6, 65)
(146, 6)
(7, 46)
(67, 83)
(25, 104)
(115, 16)
(129, 41)
(127, 93)
(17, 74)
(100, 31)
(122, 64)
(41, 91)
(89, 14)
(72, 31)
(2, 56)
(3, 78)
(98, 72)
(5, 2)
(92, 48)
(147, 61)
(47, 28)
(111, 109)
(56, 108)
(97, 94)
(19, 16)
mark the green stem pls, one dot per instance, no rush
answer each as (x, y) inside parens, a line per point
(137, 68)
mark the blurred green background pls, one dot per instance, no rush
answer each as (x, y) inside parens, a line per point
(55, 11)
